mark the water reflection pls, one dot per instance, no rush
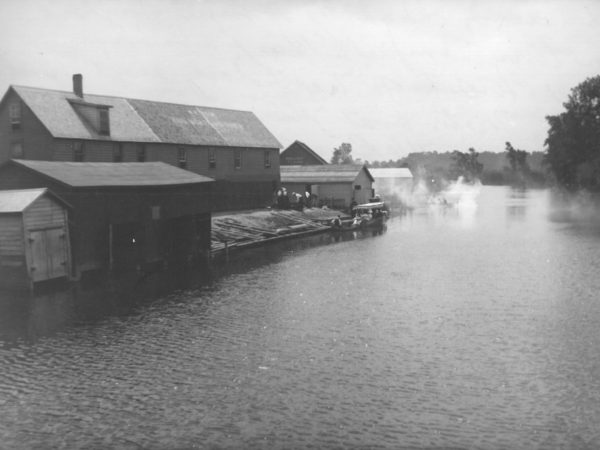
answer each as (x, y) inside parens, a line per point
(516, 204)
(29, 317)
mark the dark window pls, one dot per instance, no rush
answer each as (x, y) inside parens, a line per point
(15, 115)
(212, 161)
(141, 153)
(104, 122)
(16, 150)
(182, 157)
(357, 187)
(118, 152)
(78, 151)
(267, 159)
(237, 159)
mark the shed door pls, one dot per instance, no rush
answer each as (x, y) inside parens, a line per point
(48, 254)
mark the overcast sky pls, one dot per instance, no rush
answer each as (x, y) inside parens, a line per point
(390, 77)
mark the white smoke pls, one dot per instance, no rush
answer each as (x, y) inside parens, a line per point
(462, 195)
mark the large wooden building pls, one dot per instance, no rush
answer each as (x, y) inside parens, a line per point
(334, 185)
(34, 237)
(124, 216)
(232, 147)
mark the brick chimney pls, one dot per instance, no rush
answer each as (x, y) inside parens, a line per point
(78, 85)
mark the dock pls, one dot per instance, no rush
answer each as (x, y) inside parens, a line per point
(241, 229)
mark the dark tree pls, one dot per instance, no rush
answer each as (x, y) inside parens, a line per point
(517, 160)
(342, 154)
(573, 142)
(466, 165)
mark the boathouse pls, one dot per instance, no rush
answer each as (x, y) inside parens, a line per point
(334, 185)
(232, 147)
(124, 216)
(393, 184)
(300, 154)
(34, 237)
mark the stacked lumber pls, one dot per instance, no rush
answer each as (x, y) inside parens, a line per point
(236, 231)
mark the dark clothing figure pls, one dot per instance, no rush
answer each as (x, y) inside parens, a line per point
(337, 222)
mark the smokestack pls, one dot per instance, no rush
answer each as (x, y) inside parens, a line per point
(78, 85)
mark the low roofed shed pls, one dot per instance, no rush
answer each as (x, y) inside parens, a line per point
(124, 215)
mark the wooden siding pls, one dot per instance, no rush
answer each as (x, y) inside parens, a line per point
(296, 155)
(11, 238)
(252, 169)
(34, 245)
(365, 192)
(47, 246)
(235, 196)
(94, 210)
(336, 195)
(253, 166)
(36, 140)
(252, 186)
(13, 267)
(44, 213)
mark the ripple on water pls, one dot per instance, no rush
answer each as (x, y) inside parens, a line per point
(438, 333)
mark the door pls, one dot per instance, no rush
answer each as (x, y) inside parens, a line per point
(49, 254)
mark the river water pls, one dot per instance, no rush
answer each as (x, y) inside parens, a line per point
(474, 326)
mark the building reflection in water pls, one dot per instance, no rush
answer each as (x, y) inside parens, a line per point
(29, 317)
(52, 307)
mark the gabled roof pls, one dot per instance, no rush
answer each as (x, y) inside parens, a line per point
(147, 121)
(391, 172)
(307, 149)
(329, 173)
(17, 200)
(100, 174)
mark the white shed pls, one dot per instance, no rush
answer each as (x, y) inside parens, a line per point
(335, 185)
(34, 237)
(393, 184)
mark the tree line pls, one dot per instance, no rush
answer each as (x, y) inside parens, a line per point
(512, 167)
(571, 159)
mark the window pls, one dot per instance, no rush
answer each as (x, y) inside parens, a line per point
(78, 151)
(212, 161)
(117, 152)
(182, 157)
(16, 150)
(237, 159)
(15, 115)
(267, 159)
(141, 153)
(357, 187)
(104, 122)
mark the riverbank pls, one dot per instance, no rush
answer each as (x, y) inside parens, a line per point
(241, 229)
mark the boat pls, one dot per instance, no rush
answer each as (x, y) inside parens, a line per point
(370, 215)
(366, 215)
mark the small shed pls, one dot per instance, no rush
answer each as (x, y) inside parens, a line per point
(34, 237)
(334, 185)
(393, 184)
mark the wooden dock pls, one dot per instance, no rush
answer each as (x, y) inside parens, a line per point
(237, 230)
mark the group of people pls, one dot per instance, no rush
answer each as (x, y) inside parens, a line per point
(297, 201)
